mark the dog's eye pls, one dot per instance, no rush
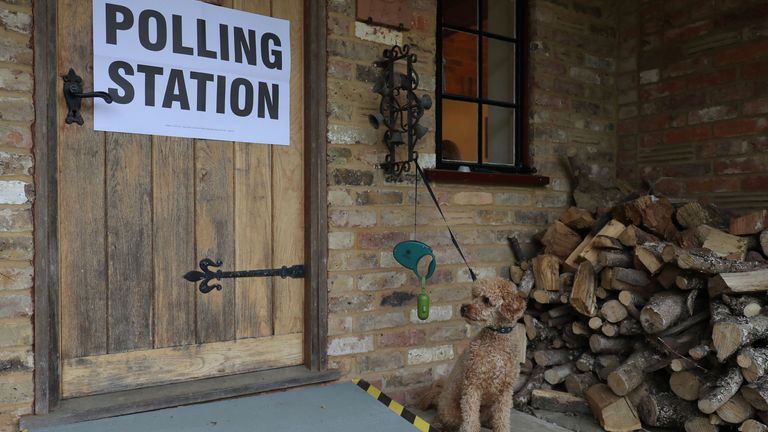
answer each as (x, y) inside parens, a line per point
(487, 301)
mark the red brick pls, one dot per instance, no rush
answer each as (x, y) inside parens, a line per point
(403, 338)
(755, 70)
(731, 92)
(743, 52)
(740, 166)
(694, 169)
(714, 113)
(738, 127)
(758, 106)
(687, 66)
(670, 187)
(711, 79)
(653, 123)
(755, 184)
(652, 140)
(662, 89)
(688, 32)
(628, 127)
(728, 148)
(713, 185)
(689, 134)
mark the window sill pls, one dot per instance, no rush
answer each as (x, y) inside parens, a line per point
(480, 178)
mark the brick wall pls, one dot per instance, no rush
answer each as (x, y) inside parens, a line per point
(374, 332)
(693, 97)
(16, 117)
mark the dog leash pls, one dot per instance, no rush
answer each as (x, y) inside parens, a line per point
(439, 209)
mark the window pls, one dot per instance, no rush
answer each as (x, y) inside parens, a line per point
(480, 84)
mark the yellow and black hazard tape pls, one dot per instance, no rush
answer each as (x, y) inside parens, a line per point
(394, 406)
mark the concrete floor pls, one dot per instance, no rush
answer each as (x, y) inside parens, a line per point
(542, 421)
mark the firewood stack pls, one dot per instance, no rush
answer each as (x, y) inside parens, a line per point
(652, 314)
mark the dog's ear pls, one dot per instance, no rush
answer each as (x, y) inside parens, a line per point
(514, 305)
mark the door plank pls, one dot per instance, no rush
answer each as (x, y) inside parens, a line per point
(114, 372)
(82, 241)
(288, 185)
(253, 224)
(214, 227)
(173, 175)
(129, 242)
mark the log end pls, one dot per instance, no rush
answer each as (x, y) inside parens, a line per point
(743, 361)
(618, 384)
(726, 339)
(651, 320)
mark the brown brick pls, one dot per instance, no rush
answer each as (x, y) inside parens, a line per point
(378, 321)
(402, 338)
(343, 134)
(15, 333)
(398, 298)
(16, 248)
(15, 220)
(352, 218)
(16, 305)
(15, 278)
(339, 260)
(450, 333)
(381, 281)
(381, 362)
(16, 360)
(12, 51)
(16, 388)
(16, 80)
(16, 108)
(15, 21)
(408, 378)
(350, 303)
(339, 325)
(350, 177)
(381, 240)
(379, 198)
(15, 136)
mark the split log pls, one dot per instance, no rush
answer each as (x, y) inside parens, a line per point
(604, 345)
(546, 272)
(751, 223)
(614, 413)
(668, 275)
(699, 424)
(577, 384)
(699, 351)
(755, 256)
(583, 298)
(516, 274)
(633, 236)
(705, 261)
(535, 381)
(756, 394)
(553, 357)
(632, 311)
(662, 311)
(764, 242)
(586, 362)
(753, 363)
(631, 298)
(546, 297)
(613, 311)
(601, 293)
(610, 243)
(557, 401)
(739, 283)
(693, 214)
(559, 373)
(690, 282)
(730, 333)
(526, 283)
(573, 259)
(664, 409)
(577, 219)
(559, 240)
(631, 279)
(614, 258)
(689, 239)
(752, 425)
(716, 420)
(648, 255)
(716, 394)
(536, 331)
(630, 374)
(723, 244)
(746, 306)
(587, 251)
(736, 410)
(686, 384)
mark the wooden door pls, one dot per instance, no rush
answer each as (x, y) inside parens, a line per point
(136, 212)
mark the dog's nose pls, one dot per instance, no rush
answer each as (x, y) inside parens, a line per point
(463, 310)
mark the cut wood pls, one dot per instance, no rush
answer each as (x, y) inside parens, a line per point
(557, 374)
(699, 424)
(526, 283)
(747, 306)
(585, 362)
(583, 297)
(609, 329)
(736, 410)
(751, 223)
(650, 212)
(614, 258)
(752, 425)
(614, 413)
(516, 274)
(572, 262)
(545, 297)
(557, 401)
(613, 311)
(755, 256)
(686, 384)
(723, 244)
(630, 374)
(604, 345)
(627, 278)
(627, 298)
(630, 327)
(633, 236)
(648, 255)
(715, 394)
(739, 283)
(535, 380)
(601, 293)
(595, 323)
(699, 351)
(559, 240)
(603, 242)
(577, 219)
(536, 331)
(577, 384)
(681, 364)
(756, 394)
(587, 251)
(693, 214)
(580, 328)
(730, 333)
(690, 282)
(705, 261)
(764, 242)
(664, 409)
(663, 310)
(546, 272)
(753, 363)
(553, 357)
(689, 239)
(668, 275)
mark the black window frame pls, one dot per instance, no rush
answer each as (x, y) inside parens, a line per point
(521, 163)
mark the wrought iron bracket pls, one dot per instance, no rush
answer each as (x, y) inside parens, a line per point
(73, 95)
(206, 275)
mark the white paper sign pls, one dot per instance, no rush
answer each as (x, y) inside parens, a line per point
(185, 68)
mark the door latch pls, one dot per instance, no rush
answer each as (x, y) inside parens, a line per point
(206, 275)
(73, 95)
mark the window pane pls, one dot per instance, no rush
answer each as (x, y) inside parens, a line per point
(498, 70)
(460, 13)
(498, 135)
(459, 131)
(459, 63)
(499, 17)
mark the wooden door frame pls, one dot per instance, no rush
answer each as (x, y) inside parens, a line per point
(46, 242)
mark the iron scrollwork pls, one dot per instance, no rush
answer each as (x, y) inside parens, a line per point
(207, 274)
(400, 109)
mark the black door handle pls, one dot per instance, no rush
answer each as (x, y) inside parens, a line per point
(207, 274)
(73, 95)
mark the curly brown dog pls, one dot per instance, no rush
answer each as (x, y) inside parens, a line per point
(480, 385)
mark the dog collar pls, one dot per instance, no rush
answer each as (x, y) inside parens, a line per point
(502, 330)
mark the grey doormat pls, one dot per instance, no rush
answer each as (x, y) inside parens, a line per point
(339, 408)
